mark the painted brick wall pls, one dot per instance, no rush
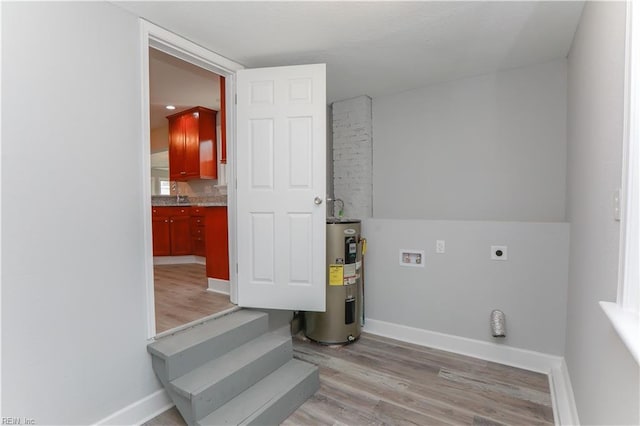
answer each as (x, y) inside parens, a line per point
(352, 156)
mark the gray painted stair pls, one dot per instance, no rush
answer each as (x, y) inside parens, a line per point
(231, 370)
(271, 400)
(185, 350)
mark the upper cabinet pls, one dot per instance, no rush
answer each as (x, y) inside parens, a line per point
(192, 144)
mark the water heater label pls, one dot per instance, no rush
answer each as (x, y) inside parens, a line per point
(350, 271)
(336, 274)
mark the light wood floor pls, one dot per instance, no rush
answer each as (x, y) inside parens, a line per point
(380, 381)
(181, 295)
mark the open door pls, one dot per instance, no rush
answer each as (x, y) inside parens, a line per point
(281, 168)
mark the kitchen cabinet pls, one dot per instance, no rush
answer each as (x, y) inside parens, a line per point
(171, 231)
(198, 231)
(192, 144)
(217, 243)
(161, 234)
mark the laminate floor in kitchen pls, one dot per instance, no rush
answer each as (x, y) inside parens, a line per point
(381, 381)
(181, 295)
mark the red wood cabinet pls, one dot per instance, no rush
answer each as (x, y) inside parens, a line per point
(217, 243)
(171, 231)
(192, 144)
(180, 235)
(198, 231)
(161, 235)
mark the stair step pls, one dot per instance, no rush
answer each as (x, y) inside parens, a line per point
(272, 399)
(216, 382)
(187, 349)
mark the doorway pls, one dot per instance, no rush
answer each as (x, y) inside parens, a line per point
(189, 283)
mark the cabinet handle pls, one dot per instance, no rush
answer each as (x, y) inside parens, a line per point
(183, 173)
(166, 221)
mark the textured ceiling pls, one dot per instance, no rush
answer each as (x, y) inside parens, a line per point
(375, 48)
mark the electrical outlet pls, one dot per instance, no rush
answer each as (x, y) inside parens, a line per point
(440, 247)
(499, 253)
(411, 257)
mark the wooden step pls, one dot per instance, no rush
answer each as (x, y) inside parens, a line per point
(271, 400)
(210, 386)
(176, 355)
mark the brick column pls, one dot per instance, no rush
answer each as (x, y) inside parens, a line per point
(352, 156)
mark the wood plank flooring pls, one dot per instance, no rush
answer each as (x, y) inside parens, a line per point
(381, 381)
(181, 295)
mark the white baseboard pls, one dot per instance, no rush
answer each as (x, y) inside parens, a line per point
(562, 394)
(178, 260)
(140, 411)
(218, 286)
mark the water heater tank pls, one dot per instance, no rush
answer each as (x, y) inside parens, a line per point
(342, 320)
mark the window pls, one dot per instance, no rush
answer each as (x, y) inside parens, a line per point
(165, 187)
(624, 314)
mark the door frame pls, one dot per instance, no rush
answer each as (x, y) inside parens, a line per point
(154, 36)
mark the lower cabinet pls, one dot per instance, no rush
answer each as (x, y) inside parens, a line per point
(217, 243)
(202, 231)
(171, 231)
(161, 235)
(198, 245)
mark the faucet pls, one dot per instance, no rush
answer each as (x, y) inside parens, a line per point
(176, 189)
(333, 210)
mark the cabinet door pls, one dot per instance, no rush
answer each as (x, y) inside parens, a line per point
(191, 145)
(161, 236)
(207, 140)
(198, 246)
(180, 235)
(176, 147)
(217, 244)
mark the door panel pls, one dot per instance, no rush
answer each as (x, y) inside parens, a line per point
(281, 158)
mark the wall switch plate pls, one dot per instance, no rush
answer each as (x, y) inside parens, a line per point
(440, 247)
(411, 257)
(499, 253)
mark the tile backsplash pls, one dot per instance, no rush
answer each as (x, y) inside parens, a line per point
(199, 188)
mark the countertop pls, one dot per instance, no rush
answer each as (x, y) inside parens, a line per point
(184, 201)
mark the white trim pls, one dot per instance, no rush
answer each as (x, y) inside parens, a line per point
(178, 260)
(173, 44)
(1, 364)
(564, 407)
(628, 276)
(627, 325)
(219, 286)
(521, 358)
(140, 411)
(146, 184)
(565, 411)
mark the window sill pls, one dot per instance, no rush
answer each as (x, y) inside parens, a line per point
(626, 324)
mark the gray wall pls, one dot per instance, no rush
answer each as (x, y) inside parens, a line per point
(456, 291)
(491, 147)
(73, 294)
(486, 155)
(603, 373)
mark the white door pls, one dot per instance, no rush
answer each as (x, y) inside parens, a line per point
(281, 168)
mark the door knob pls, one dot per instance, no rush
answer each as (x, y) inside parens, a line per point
(318, 201)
